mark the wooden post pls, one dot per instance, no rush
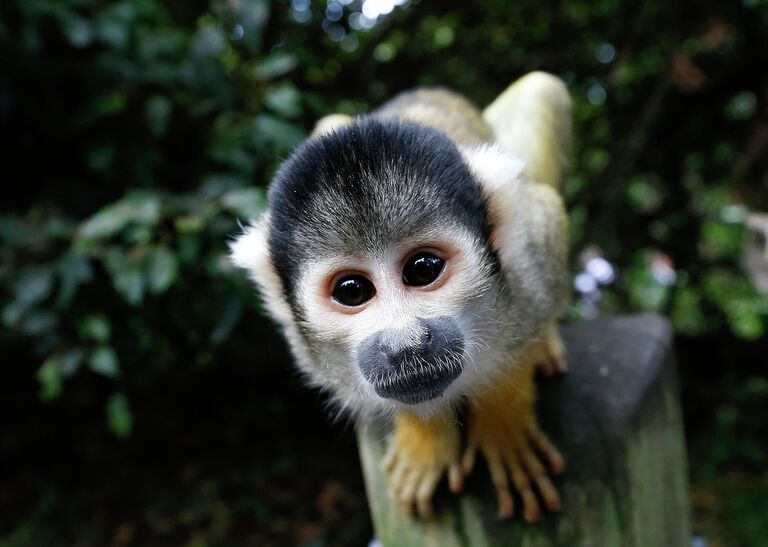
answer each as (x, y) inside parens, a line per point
(616, 417)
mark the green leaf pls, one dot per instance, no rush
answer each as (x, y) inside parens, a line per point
(127, 275)
(749, 327)
(247, 203)
(643, 194)
(49, 376)
(110, 104)
(209, 42)
(119, 415)
(95, 328)
(34, 284)
(158, 110)
(114, 24)
(103, 224)
(720, 240)
(103, 360)
(101, 157)
(78, 31)
(284, 99)
(69, 361)
(189, 224)
(686, 311)
(12, 314)
(39, 323)
(130, 283)
(273, 131)
(15, 232)
(252, 15)
(277, 64)
(56, 367)
(74, 270)
(162, 269)
(138, 207)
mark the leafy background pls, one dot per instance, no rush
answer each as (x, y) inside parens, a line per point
(145, 400)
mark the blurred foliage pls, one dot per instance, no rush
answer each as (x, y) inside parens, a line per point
(142, 130)
(138, 133)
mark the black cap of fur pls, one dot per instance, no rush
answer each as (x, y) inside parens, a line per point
(365, 186)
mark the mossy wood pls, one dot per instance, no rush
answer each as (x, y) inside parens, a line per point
(616, 417)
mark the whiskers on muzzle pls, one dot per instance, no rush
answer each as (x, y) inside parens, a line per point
(413, 369)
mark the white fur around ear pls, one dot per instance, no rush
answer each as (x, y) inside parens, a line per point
(521, 210)
(250, 251)
(493, 166)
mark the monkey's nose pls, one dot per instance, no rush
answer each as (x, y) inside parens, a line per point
(401, 349)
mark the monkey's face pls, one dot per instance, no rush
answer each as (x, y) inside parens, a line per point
(380, 239)
(401, 324)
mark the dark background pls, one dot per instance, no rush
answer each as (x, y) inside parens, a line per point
(145, 400)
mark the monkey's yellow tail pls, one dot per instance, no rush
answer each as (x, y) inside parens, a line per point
(532, 119)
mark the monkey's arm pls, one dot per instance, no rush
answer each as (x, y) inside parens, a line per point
(420, 452)
(502, 425)
(520, 177)
(532, 121)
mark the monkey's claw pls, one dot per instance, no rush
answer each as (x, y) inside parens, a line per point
(520, 457)
(551, 354)
(553, 366)
(420, 452)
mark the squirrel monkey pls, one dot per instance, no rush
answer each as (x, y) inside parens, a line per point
(415, 258)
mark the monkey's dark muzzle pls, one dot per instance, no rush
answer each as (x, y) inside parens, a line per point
(415, 366)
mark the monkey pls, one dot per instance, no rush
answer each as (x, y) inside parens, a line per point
(415, 258)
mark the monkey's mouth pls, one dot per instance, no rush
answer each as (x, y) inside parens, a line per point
(417, 386)
(415, 365)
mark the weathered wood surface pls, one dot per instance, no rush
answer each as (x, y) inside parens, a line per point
(616, 417)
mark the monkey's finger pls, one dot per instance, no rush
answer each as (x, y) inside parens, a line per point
(455, 478)
(538, 473)
(531, 509)
(545, 446)
(468, 459)
(399, 476)
(407, 507)
(424, 494)
(552, 366)
(546, 368)
(560, 365)
(407, 493)
(390, 458)
(548, 492)
(501, 483)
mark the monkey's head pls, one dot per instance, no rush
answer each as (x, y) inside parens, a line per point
(375, 257)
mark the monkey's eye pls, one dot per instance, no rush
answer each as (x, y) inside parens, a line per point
(422, 269)
(353, 290)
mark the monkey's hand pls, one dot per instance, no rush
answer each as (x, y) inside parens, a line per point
(502, 426)
(420, 452)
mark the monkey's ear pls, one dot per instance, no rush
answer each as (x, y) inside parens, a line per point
(493, 167)
(518, 205)
(250, 251)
